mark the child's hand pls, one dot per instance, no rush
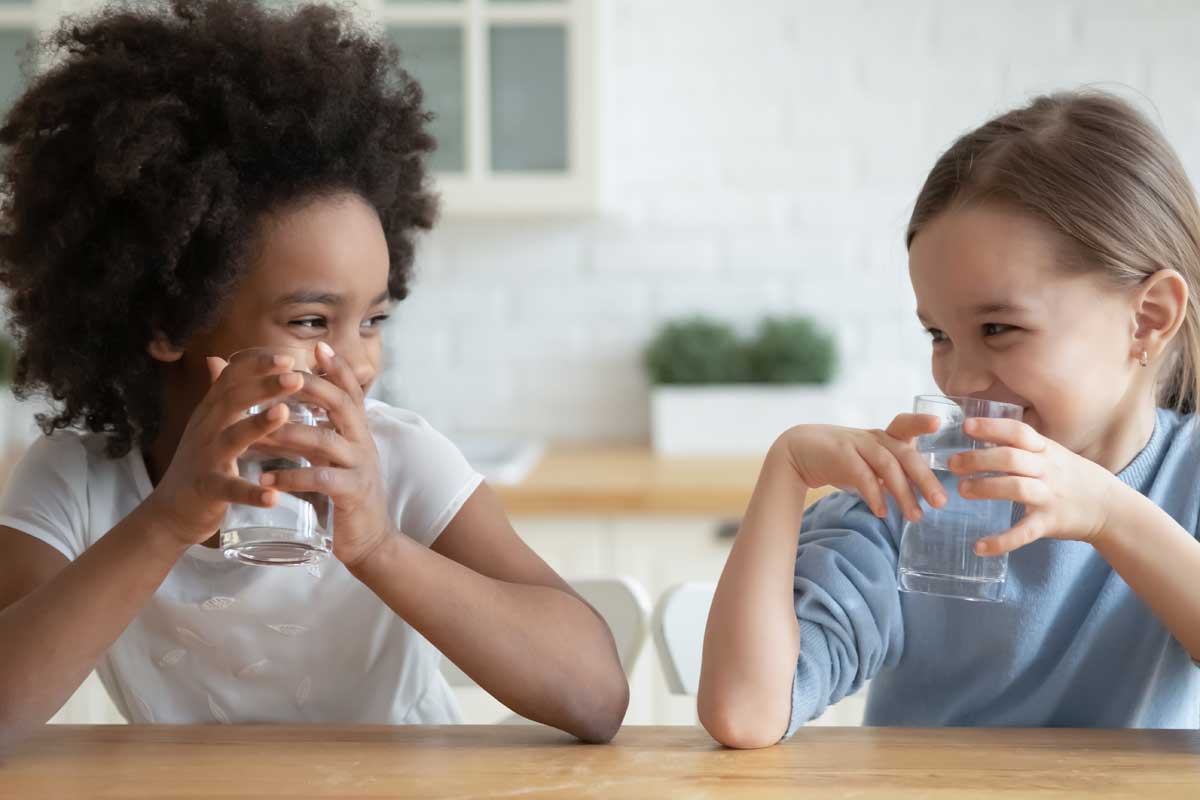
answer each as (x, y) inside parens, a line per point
(1065, 495)
(867, 462)
(202, 478)
(345, 461)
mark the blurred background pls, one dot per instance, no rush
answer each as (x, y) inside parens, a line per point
(609, 167)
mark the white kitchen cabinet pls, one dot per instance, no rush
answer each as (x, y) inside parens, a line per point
(511, 87)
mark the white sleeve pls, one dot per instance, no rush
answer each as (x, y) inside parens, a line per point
(45, 495)
(427, 478)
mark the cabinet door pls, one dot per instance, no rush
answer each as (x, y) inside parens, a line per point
(510, 85)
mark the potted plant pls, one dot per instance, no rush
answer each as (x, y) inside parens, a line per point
(716, 393)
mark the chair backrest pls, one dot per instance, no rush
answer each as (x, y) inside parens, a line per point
(621, 602)
(678, 625)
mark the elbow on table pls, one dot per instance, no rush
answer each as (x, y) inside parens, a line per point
(598, 715)
(741, 726)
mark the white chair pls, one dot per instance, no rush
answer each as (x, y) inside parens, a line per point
(678, 626)
(621, 602)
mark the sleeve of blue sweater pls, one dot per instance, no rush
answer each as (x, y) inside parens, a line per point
(847, 602)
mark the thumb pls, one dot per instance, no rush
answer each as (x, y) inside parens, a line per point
(216, 365)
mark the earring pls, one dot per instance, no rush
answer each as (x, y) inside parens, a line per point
(1144, 359)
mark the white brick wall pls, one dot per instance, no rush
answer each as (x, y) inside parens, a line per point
(757, 157)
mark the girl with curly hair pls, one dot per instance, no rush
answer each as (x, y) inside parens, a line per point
(187, 181)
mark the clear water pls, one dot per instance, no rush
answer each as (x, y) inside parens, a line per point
(937, 554)
(298, 529)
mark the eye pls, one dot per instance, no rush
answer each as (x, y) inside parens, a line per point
(996, 328)
(377, 320)
(309, 322)
(936, 336)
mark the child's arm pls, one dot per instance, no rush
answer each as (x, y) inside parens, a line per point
(58, 618)
(495, 609)
(752, 641)
(1067, 496)
(1158, 559)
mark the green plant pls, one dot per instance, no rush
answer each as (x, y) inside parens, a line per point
(696, 350)
(699, 350)
(792, 350)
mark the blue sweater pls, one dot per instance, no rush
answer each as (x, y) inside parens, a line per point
(1071, 645)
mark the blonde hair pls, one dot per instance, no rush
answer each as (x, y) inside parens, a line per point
(1101, 174)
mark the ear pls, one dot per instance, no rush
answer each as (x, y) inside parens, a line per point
(1159, 309)
(161, 349)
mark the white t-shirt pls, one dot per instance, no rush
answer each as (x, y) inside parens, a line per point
(221, 641)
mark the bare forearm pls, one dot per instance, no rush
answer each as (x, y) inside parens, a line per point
(539, 650)
(53, 637)
(752, 640)
(1160, 561)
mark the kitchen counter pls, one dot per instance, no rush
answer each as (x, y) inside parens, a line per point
(590, 480)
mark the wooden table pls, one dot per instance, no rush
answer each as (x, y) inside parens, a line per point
(603, 481)
(530, 761)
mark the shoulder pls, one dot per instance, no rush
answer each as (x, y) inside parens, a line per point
(400, 431)
(426, 476)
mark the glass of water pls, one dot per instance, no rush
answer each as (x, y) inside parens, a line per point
(298, 529)
(937, 554)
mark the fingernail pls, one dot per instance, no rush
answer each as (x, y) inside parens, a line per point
(290, 380)
(282, 361)
(266, 496)
(981, 548)
(267, 479)
(325, 349)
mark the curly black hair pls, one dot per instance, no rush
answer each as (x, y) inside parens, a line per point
(136, 171)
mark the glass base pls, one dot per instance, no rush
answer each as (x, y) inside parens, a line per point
(273, 547)
(973, 589)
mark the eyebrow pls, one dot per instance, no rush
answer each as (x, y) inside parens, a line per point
(983, 310)
(306, 296)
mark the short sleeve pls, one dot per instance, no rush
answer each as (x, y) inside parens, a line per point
(427, 478)
(847, 602)
(46, 494)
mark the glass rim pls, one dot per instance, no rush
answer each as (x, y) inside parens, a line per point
(310, 365)
(964, 402)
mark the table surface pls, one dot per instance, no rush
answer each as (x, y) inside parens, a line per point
(133, 761)
(634, 480)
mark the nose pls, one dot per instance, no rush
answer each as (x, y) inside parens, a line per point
(361, 360)
(968, 377)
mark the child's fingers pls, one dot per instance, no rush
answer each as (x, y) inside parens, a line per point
(232, 403)
(1010, 460)
(1029, 529)
(888, 469)
(1009, 432)
(216, 365)
(864, 482)
(917, 470)
(332, 481)
(317, 444)
(1029, 491)
(234, 440)
(909, 426)
(228, 489)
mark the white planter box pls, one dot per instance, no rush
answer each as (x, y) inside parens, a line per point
(731, 419)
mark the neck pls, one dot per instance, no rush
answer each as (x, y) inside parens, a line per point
(1125, 437)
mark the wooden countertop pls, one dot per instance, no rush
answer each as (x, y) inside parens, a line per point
(218, 762)
(633, 480)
